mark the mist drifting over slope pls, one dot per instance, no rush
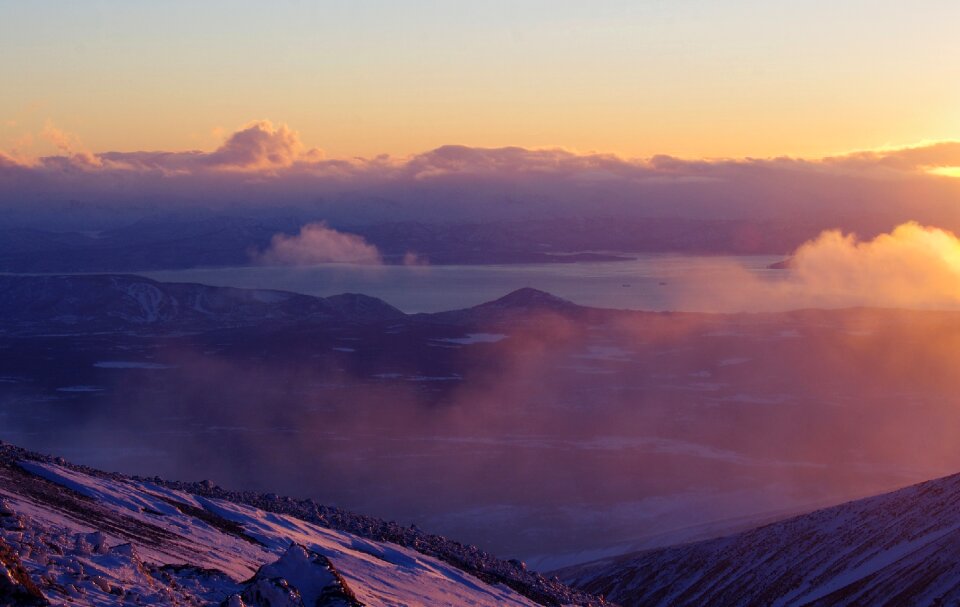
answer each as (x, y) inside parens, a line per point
(912, 266)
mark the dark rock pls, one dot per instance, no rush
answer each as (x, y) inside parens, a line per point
(16, 587)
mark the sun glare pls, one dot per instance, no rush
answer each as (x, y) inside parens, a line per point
(946, 171)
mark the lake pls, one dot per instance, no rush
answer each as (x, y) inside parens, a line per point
(648, 282)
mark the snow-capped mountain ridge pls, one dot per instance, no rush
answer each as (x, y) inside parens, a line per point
(86, 538)
(899, 548)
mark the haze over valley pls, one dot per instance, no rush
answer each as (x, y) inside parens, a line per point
(418, 304)
(631, 424)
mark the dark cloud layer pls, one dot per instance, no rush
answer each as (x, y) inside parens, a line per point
(263, 167)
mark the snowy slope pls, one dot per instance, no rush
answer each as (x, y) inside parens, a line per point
(900, 548)
(87, 538)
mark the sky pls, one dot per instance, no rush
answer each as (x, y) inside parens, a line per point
(689, 78)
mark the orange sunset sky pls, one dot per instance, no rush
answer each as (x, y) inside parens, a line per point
(732, 78)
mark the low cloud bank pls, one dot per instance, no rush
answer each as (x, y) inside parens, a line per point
(263, 166)
(912, 266)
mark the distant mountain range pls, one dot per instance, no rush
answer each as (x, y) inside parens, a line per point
(124, 302)
(901, 548)
(32, 304)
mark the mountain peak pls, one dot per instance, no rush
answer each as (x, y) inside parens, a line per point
(363, 307)
(528, 297)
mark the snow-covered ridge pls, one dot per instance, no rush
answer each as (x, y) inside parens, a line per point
(71, 535)
(118, 302)
(899, 548)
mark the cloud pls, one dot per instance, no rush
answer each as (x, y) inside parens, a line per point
(7, 162)
(261, 145)
(68, 143)
(459, 159)
(912, 266)
(572, 408)
(414, 260)
(278, 149)
(257, 146)
(316, 243)
(923, 157)
(264, 166)
(75, 157)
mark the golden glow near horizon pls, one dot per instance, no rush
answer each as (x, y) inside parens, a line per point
(732, 78)
(947, 171)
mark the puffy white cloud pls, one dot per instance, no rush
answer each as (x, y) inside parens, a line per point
(316, 243)
(260, 145)
(912, 266)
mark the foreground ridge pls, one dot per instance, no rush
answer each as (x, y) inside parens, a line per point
(898, 548)
(80, 533)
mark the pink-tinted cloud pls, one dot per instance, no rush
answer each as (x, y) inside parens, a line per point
(412, 259)
(263, 166)
(68, 143)
(7, 162)
(912, 266)
(458, 159)
(277, 149)
(261, 145)
(74, 157)
(315, 244)
(934, 155)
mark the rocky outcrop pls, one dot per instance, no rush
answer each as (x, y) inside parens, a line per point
(299, 578)
(16, 587)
